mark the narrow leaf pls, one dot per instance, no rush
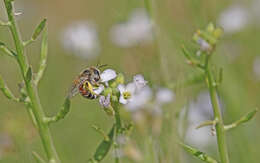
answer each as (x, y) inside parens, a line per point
(29, 74)
(6, 50)
(198, 154)
(38, 158)
(242, 120)
(104, 146)
(2, 23)
(101, 132)
(43, 60)
(6, 91)
(220, 76)
(39, 29)
(61, 114)
(186, 52)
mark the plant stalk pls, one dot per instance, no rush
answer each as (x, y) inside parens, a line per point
(118, 129)
(43, 128)
(220, 131)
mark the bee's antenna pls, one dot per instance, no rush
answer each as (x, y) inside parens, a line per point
(103, 65)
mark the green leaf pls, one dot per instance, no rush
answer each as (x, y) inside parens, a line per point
(249, 116)
(43, 60)
(6, 91)
(61, 114)
(101, 132)
(186, 52)
(39, 29)
(29, 74)
(38, 158)
(198, 154)
(6, 50)
(242, 120)
(104, 146)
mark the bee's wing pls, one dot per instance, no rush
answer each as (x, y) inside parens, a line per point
(74, 90)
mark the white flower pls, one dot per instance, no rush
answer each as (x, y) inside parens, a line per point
(139, 99)
(126, 92)
(234, 19)
(255, 9)
(108, 75)
(256, 68)
(136, 30)
(164, 96)
(6, 143)
(105, 101)
(81, 39)
(200, 111)
(139, 82)
(99, 89)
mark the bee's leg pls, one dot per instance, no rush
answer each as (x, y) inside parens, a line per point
(89, 87)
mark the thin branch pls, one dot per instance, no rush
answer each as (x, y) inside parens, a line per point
(242, 120)
(61, 114)
(43, 59)
(6, 91)
(198, 154)
(3, 23)
(7, 50)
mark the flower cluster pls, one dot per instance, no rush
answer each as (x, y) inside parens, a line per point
(207, 38)
(135, 95)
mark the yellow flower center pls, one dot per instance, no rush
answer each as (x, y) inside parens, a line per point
(127, 95)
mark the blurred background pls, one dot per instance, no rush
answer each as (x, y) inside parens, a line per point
(120, 34)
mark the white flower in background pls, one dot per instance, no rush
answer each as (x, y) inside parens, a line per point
(108, 75)
(255, 9)
(164, 96)
(6, 144)
(256, 67)
(139, 99)
(81, 39)
(136, 30)
(200, 111)
(126, 92)
(139, 82)
(234, 19)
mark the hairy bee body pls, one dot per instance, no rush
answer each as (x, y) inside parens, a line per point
(84, 83)
(86, 90)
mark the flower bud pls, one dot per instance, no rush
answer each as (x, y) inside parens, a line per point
(107, 91)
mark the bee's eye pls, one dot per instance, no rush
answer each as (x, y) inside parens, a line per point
(96, 72)
(97, 79)
(86, 72)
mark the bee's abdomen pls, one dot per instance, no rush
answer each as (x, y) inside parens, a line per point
(87, 93)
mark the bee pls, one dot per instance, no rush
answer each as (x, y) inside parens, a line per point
(85, 83)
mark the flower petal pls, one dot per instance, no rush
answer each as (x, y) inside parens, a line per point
(139, 81)
(104, 101)
(108, 75)
(131, 87)
(122, 100)
(121, 88)
(99, 89)
(140, 99)
(164, 96)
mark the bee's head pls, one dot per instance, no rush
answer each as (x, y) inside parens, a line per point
(95, 74)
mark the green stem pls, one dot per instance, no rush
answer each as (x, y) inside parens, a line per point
(220, 131)
(118, 129)
(43, 128)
